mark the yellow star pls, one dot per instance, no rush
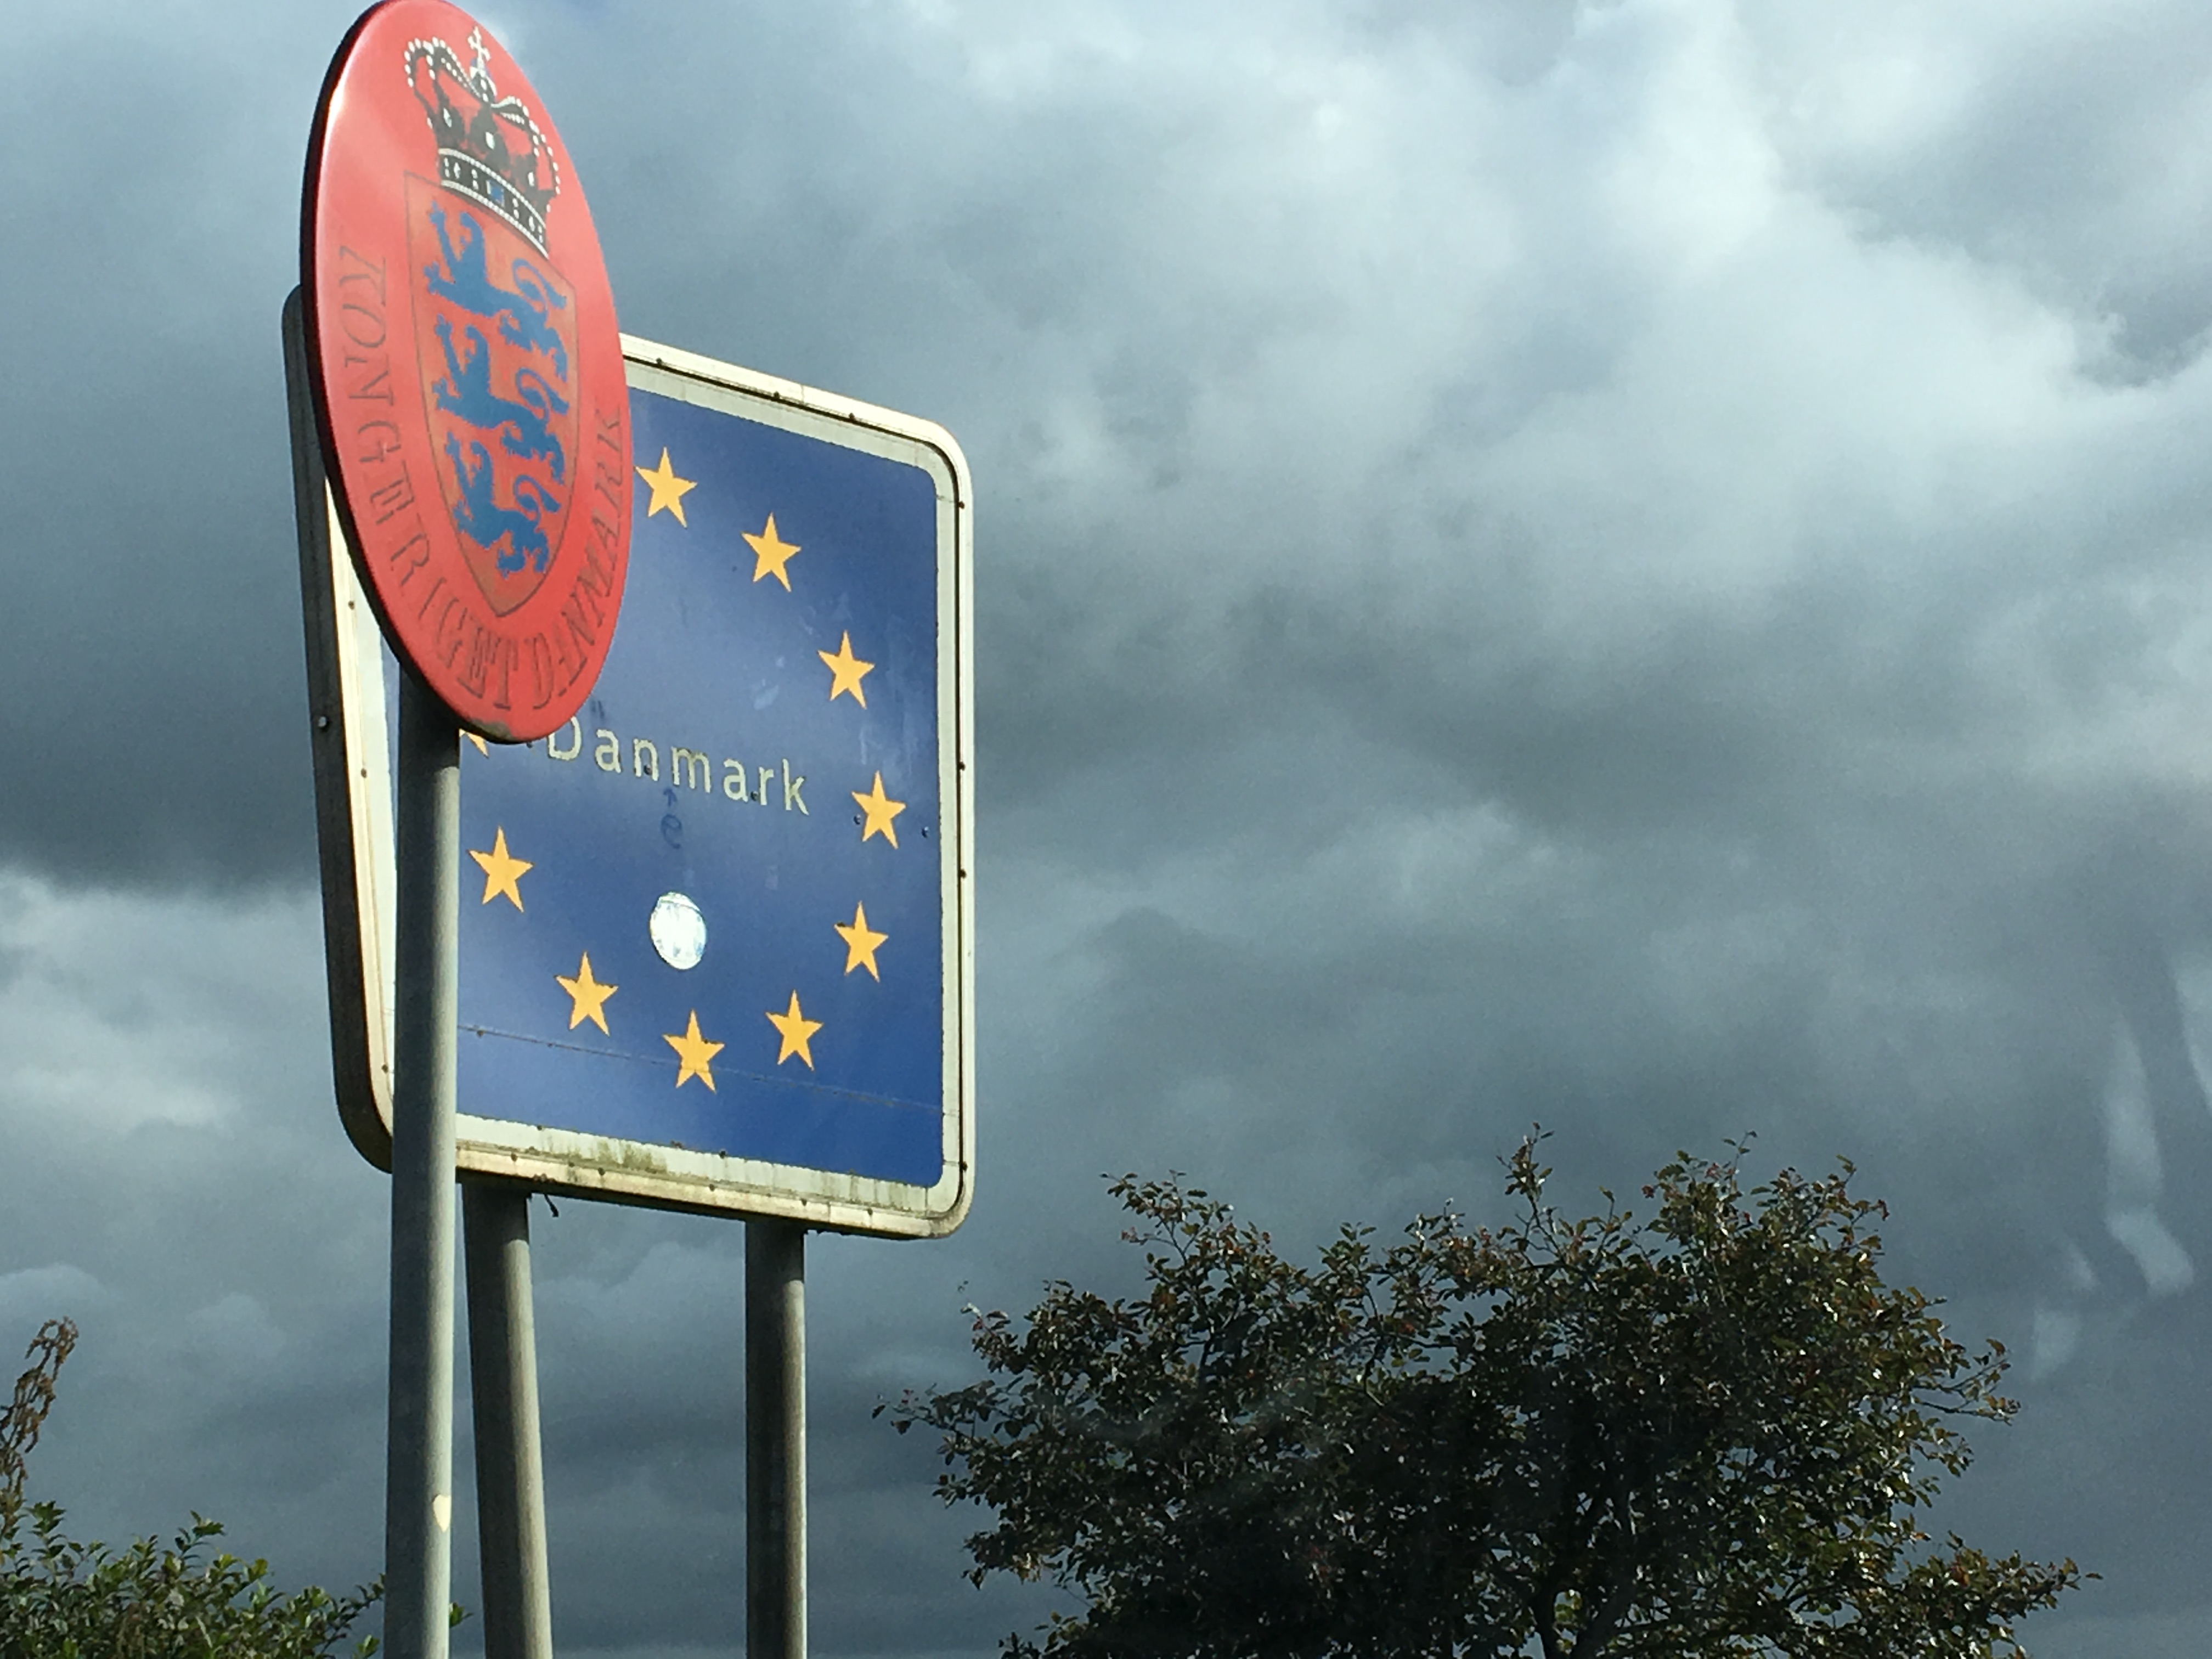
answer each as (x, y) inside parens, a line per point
(503, 871)
(694, 1051)
(668, 489)
(483, 748)
(846, 671)
(770, 553)
(881, 809)
(795, 1029)
(860, 943)
(588, 997)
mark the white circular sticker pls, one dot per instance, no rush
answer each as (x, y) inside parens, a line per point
(679, 932)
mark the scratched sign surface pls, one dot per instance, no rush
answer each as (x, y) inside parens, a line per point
(718, 912)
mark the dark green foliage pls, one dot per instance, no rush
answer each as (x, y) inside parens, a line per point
(60, 1599)
(1702, 1432)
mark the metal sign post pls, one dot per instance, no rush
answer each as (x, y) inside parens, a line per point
(418, 1505)
(776, 1440)
(518, 1610)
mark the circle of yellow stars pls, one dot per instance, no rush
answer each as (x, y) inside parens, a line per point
(587, 995)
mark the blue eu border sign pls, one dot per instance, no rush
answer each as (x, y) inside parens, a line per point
(717, 932)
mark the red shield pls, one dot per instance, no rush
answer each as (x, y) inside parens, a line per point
(468, 371)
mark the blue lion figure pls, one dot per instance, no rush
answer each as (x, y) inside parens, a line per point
(524, 311)
(520, 421)
(481, 517)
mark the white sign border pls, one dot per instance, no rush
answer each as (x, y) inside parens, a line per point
(353, 789)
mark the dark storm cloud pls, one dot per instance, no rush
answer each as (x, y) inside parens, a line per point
(149, 647)
(1634, 565)
(2049, 149)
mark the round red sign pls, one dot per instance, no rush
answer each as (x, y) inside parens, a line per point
(468, 373)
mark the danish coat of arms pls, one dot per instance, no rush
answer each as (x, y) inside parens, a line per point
(470, 386)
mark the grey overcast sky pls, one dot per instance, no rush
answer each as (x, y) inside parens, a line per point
(1638, 565)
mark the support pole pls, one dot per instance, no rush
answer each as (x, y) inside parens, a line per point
(776, 1440)
(517, 1606)
(418, 1502)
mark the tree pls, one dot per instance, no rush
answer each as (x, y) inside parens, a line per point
(61, 1599)
(1707, 1432)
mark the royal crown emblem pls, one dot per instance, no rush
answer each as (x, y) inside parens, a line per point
(469, 376)
(489, 149)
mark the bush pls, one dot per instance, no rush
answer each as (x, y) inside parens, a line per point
(62, 1599)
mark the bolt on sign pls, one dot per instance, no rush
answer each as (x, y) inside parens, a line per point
(716, 930)
(466, 368)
